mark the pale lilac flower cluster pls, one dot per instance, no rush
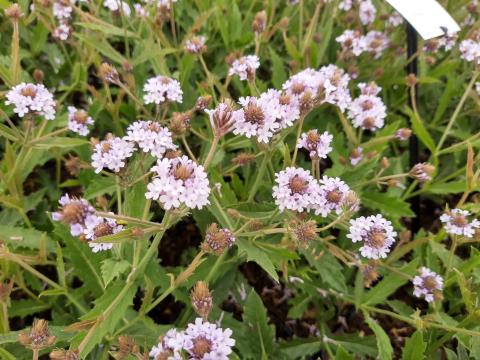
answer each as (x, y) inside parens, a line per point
(245, 67)
(201, 340)
(296, 190)
(62, 9)
(375, 232)
(196, 44)
(140, 11)
(395, 19)
(319, 146)
(32, 99)
(368, 110)
(207, 341)
(374, 42)
(329, 84)
(62, 31)
(77, 213)
(345, 5)
(116, 6)
(150, 137)
(356, 155)
(78, 121)
(366, 12)
(351, 42)
(161, 89)
(170, 346)
(333, 192)
(164, 4)
(470, 50)
(179, 181)
(456, 223)
(98, 228)
(111, 154)
(258, 117)
(428, 285)
(445, 43)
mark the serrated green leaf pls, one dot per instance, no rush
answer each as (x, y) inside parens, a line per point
(414, 347)
(385, 350)
(112, 268)
(257, 255)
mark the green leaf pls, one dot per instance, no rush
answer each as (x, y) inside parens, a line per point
(112, 268)
(329, 269)
(421, 131)
(52, 292)
(385, 350)
(59, 142)
(22, 308)
(257, 255)
(19, 237)
(393, 206)
(414, 347)
(102, 46)
(279, 74)
(107, 29)
(101, 186)
(342, 354)
(255, 316)
(390, 284)
(5, 355)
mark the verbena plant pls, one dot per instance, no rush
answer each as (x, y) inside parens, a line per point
(230, 179)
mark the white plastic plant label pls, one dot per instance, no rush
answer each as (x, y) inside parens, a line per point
(428, 17)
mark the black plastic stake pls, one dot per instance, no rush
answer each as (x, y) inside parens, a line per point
(412, 47)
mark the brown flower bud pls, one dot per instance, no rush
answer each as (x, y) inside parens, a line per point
(172, 154)
(126, 347)
(259, 22)
(317, 38)
(430, 60)
(217, 240)
(94, 141)
(230, 58)
(233, 213)
(370, 274)
(283, 23)
(38, 76)
(14, 12)
(5, 290)
(201, 298)
(403, 134)
(372, 154)
(411, 80)
(127, 67)
(38, 337)
(137, 232)
(180, 123)
(243, 158)
(304, 232)
(221, 118)
(405, 236)
(255, 225)
(385, 163)
(108, 73)
(422, 172)
(203, 102)
(101, 202)
(351, 202)
(62, 354)
(72, 165)
(393, 183)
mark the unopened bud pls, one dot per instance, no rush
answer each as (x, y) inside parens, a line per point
(14, 12)
(203, 102)
(38, 76)
(126, 347)
(243, 159)
(403, 134)
(38, 337)
(422, 172)
(62, 354)
(217, 240)
(201, 298)
(370, 274)
(259, 22)
(385, 163)
(411, 80)
(5, 290)
(179, 123)
(233, 213)
(137, 232)
(304, 232)
(108, 73)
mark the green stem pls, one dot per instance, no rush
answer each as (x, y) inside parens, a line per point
(211, 152)
(260, 175)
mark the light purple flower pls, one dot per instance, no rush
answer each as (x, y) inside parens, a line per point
(111, 153)
(318, 146)
(245, 67)
(333, 193)
(78, 121)
(428, 285)
(31, 99)
(98, 228)
(456, 223)
(77, 213)
(151, 137)
(161, 89)
(375, 232)
(179, 181)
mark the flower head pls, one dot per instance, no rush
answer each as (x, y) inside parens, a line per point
(333, 193)
(151, 137)
(356, 155)
(456, 223)
(428, 285)
(422, 172)
(161, 89)
(116, 6)
(201, 298)
(217, 240)
(319, 146)
(62, 9)
(111, 153)
(98, 228)
(62, 32)
(366, 12)
(38, 337)
(367, 112)
(224, 117)
(170, 346)
(31, 99)
(351, 42)
(196, 44)
(295, 189)
(78, 120)
(206, 341)
(179, 181)
(403, 134)
(375, 232)
(77, 213)
(375, 42)
(258, 117)
(245, 67)
(470, 50)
